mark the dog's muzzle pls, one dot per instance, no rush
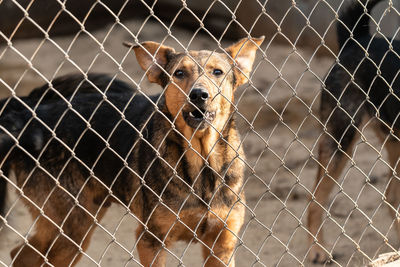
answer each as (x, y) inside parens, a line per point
(197, 114)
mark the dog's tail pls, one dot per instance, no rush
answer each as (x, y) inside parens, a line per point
(11, 126)
(5, 144)
(354, 20)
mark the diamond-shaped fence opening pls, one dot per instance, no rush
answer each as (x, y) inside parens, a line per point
(199, 143)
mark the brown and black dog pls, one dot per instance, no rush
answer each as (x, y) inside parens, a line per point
(174, 160)
(363, 85)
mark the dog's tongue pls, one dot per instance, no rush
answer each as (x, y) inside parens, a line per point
(196, 114)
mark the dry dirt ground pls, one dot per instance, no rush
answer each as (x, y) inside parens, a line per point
(278, 121)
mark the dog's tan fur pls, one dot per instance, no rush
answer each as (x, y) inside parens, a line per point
(197, 172)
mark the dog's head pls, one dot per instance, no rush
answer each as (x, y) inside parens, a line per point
(199, 85)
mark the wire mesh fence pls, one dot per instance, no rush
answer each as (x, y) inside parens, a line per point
(198, 130)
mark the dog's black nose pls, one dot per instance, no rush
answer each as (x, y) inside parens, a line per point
(198, 95)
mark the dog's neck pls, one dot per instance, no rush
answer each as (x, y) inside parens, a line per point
(209, 145)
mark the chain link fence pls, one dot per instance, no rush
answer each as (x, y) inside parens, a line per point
(285, 133)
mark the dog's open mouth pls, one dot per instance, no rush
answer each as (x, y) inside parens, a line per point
(198, 117)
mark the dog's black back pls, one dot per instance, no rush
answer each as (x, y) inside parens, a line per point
(64, 87)
(17, 119)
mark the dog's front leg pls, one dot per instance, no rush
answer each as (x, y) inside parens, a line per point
(221, 238)
(151, 252)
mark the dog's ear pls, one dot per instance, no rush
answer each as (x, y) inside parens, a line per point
(243, 53)
(152, 57)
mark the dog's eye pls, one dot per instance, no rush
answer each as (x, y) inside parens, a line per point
(217, 72)
(179, 73)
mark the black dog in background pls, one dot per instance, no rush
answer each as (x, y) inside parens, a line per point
(364, 83)
(67, 87)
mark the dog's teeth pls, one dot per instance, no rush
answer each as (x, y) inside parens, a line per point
(191, 114)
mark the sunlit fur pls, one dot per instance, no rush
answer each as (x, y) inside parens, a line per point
(182, 183)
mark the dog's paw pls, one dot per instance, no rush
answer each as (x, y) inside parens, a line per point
(318, 255)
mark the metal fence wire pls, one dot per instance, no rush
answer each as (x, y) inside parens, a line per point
(245, 150)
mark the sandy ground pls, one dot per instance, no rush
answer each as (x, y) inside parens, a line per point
(279, 134)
